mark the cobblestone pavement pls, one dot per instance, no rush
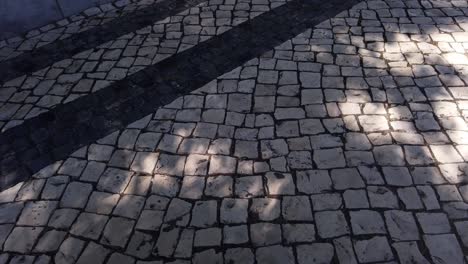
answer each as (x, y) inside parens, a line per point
(91, 70)
(345, 144)
(63, 29)
(90, 18)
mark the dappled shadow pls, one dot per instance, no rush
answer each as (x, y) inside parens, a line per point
(358, 146)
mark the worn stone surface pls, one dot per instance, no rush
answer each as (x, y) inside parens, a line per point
(346, 143)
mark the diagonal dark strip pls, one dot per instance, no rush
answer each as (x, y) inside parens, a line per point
(54, 135)
(61, 49)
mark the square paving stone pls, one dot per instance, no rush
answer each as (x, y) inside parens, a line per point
(427, 175)
(265, 209)
(433, 223)
(367, 222)
(280, 183)
(373, 123)
(117, 239)
(50, 241)
(129, 206)
(155, 202)
(235, 234)
(93, 171)
(147, 141)
(263, 234)
(401, 225)
(274, 255)
(138, 185)
(5, 231)
(311, 126)
(462, 230)
(296, 208)
(76, 195)
(207, 256)
(375, 249)
(185, 246)
(194, 146)
(204, 213)
(382, 197)
(409, 252)
(418, 155)
(315, 253)
(329, 158)
(16, 241)
(428, 197)
(170, 165)
(239, 256)
(296, 233)
(114, 180)
(72, 167)
(446, 154)
(313, 181)
(178, 212)
(122, 158)
(410, 198)
(63, 218)
(89, 225)
(246, 149)
(9, 212)
(448, 193)
(389, 155)
(444, 248)
(192, 187)
(144, 162)
(355, 199)
(300, 160)
(102, 203)
(331, 224)
(117, 258)
(219, 186)
(326, 201)
(54, 187)
(346, 179)
(150, 220)
(93, 253)
(344, 250)
(249, 186)
(234, 211)
(397, 176)
(196, 165)
(69, 250)
(209, 237)
(273, 148)
(222, 165)
(169, 143)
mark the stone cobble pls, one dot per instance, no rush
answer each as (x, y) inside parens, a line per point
(91, 70)
(345, 144)
(63, 29)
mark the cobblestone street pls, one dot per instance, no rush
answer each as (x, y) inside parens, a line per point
(238, 132)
